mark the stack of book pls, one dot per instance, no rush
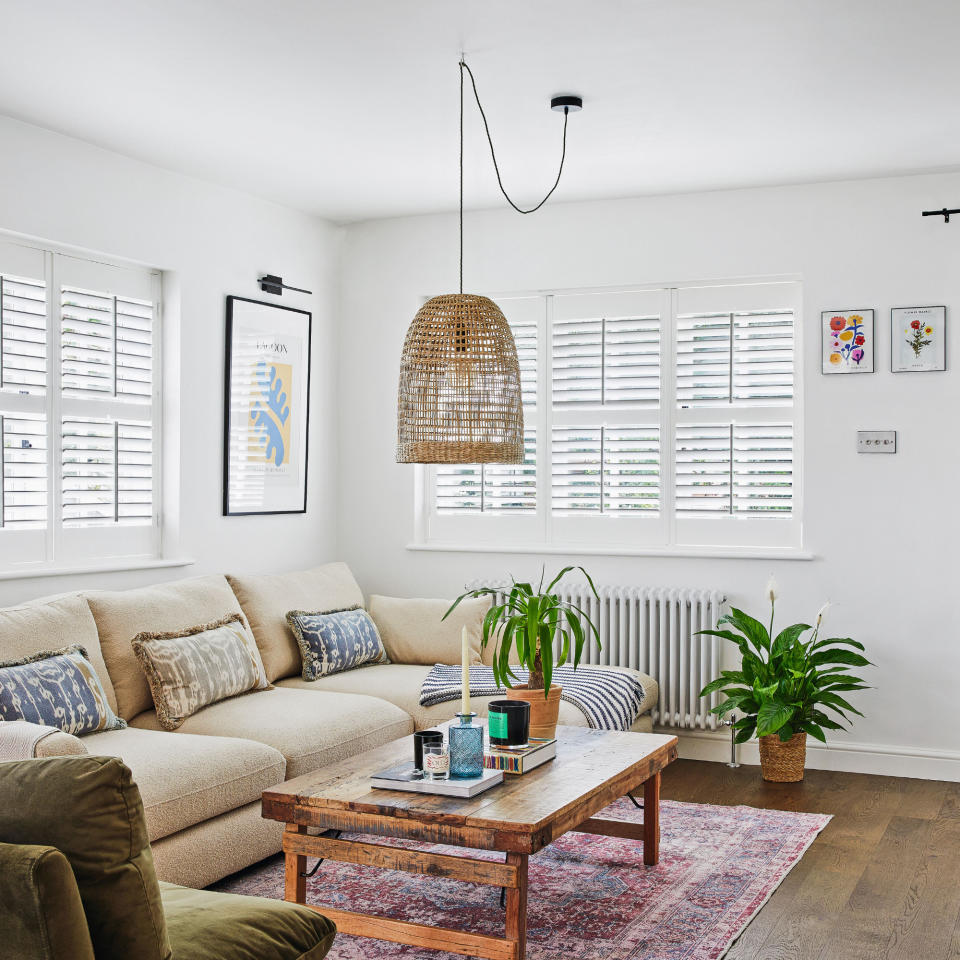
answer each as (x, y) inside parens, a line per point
(405, 777)
(520, 759)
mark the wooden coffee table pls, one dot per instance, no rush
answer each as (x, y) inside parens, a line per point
(519, 817)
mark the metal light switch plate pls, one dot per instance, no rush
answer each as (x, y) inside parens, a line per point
(876, 441)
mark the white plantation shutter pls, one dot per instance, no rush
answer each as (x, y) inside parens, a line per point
(512, 488)
(763, 460)
(600, 362)
(575, 475)
(107, 472)
(703, 360)
(459, 488)
(763, 357)
(734, 469)
(606, 417)
(702, 452)
(734, 454)
(578, 362)
(525, 337)
(702, 469)
(490, 487)
(108, 464)
(605, 470)
(500, 489)
(106, 345)
(23, 334)
(24, 458)
(735, 358)
(78, 455)
(88, 471)
(631, 470)
(134, 352)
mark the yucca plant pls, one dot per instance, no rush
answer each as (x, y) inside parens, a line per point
(785, 685)
(531, 620)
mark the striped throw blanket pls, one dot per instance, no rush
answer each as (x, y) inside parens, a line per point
(609, 699)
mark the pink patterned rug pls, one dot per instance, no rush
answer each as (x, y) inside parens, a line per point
(591, 897)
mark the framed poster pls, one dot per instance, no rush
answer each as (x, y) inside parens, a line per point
(847, 341)
(266, 408)
(918, 339)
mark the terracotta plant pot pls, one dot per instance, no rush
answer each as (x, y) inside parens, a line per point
(783, 762)
(543, 710)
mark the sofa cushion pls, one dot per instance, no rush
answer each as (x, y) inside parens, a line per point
(122, 614)
(335, 641)
(400, 684)
(42, 916)
(397, 683)
(56, 688)
(311, 729)
(89, 808)
(266, 601)
(186, 780)
(212, 850)
(204, 924)
(414, 631)
(49, 625)
(189, 669)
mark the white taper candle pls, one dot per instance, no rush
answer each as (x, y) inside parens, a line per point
(465, 640)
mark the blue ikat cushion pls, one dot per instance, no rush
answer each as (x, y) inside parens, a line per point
(58, 688)
(335, 641)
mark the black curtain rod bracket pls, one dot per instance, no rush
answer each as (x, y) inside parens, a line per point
(272, 284)
(945, 213)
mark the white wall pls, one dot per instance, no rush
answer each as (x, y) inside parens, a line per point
(884, 529)
(212, 242)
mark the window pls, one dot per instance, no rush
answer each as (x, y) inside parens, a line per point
(78, 409)
(655, 418)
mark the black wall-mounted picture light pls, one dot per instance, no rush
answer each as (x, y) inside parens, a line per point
(272, 284)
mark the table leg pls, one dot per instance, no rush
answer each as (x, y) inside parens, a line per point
(517, 905)
(651, 821)
(294, 868)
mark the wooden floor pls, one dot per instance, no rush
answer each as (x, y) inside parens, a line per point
(881, 881)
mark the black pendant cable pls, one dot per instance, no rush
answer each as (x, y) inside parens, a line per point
(459, 396)
(564, 103)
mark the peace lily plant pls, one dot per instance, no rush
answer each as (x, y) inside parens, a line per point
(785, 686)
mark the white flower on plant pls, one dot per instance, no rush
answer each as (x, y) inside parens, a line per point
(822, 612)
(773, 590)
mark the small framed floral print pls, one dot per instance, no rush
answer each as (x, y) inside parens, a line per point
(847, 341)
(918, 337)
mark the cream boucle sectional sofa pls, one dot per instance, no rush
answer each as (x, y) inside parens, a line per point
(201, 785)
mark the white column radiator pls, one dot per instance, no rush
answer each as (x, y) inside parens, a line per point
(653, 630)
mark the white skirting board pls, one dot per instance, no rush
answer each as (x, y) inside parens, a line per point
(889, 761)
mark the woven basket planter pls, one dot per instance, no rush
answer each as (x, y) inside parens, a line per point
(459, 397)
(783, 762)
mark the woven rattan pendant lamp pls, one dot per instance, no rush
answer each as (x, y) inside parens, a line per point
(459, 398)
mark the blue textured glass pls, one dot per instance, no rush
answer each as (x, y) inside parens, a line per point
(466, 748)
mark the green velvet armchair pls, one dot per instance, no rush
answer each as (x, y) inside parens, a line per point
(77, 880)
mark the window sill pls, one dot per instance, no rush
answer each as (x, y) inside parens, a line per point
(706, 553)
(117, 565)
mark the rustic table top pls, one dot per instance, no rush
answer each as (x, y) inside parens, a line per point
(592, 768)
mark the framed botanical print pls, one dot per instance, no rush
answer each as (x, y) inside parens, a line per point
(847, 341)
(266, 408)
(918, 339)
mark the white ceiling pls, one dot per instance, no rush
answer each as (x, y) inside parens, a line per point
(349, 109)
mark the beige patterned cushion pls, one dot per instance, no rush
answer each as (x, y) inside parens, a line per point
(190, 669)
(414, 631)
(121, 614)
